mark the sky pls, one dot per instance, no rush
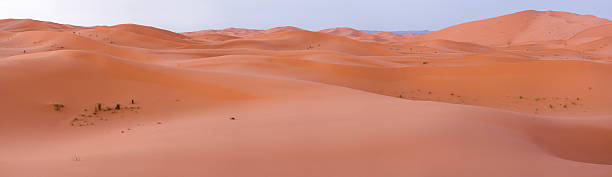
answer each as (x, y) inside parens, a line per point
(193, 15)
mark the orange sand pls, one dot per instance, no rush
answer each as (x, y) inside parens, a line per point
(526, 94)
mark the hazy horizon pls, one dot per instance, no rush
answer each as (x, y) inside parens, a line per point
(190, 15)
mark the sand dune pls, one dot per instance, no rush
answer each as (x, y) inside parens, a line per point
(242, 32)
(214, 37)
(342, 144)
(345, 32)
(300, 40)
(137, 36)
(506, 84)
(521, 27)
(497, 97)
(363, 36)
(20, 25)
(281, 29)
(449, 46)
(591, 34)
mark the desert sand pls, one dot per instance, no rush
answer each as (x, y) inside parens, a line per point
(525, 94)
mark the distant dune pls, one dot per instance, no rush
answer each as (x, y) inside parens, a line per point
(243, 32)
(524, 94)
(399, 32)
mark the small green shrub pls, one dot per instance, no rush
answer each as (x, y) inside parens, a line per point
(118, 107)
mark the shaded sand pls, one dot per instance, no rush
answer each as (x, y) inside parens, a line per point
(289, 102)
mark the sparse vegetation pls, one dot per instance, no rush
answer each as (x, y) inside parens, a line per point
(82, 119)
(58, 107)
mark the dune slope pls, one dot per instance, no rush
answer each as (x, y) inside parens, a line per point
(352, 137)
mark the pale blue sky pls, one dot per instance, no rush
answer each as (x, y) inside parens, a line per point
(191, 15)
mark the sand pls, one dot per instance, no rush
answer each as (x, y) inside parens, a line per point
(510, 101)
